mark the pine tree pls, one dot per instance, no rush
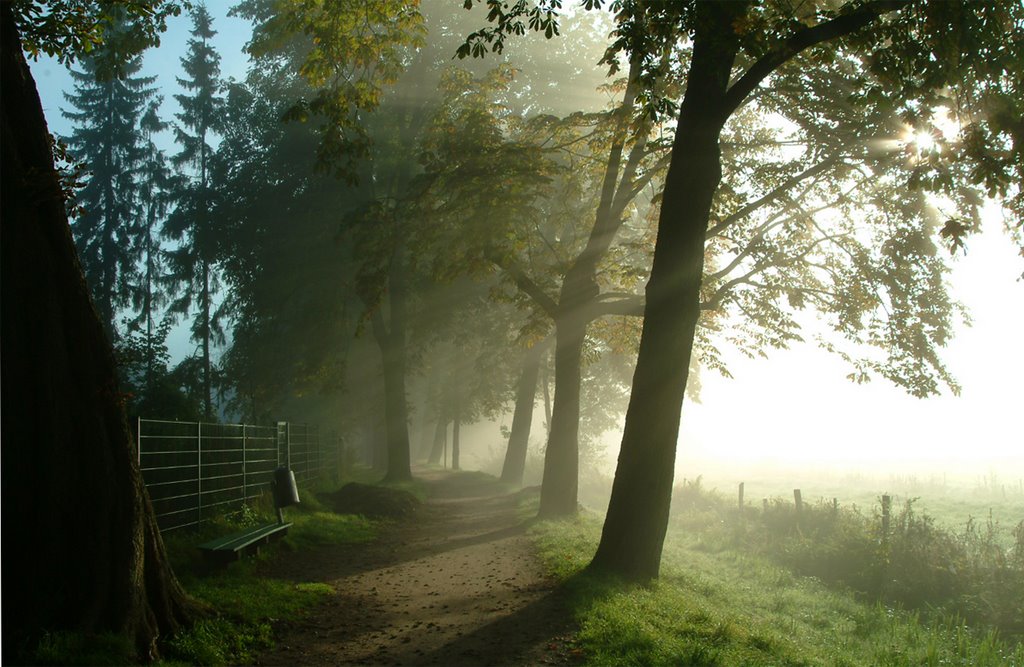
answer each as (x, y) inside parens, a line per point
(109, 99)
(192, 263)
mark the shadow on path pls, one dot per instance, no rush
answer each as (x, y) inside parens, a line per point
(459, 583)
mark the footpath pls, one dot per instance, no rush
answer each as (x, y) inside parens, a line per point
(457, 583)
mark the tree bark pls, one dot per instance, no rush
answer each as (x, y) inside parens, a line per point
(72, 490)
(440, 435)
(634, 529)
(391, 340)
(456, 421)
(560, 485)
(522, 420)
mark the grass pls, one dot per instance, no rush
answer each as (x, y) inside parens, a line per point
(722, 607)
(246, 600)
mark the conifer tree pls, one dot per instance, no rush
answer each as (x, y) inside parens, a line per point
(142, 351)
(108, 100)
(192, 263)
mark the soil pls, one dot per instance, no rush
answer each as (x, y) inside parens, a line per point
(454, 582)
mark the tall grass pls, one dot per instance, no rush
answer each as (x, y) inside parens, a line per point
(913, 562)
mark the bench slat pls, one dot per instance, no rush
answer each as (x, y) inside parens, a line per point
(242, 539)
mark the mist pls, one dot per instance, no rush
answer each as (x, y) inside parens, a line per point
(486, 299)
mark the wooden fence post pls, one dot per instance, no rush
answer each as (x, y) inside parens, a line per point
(886, 514)
(799, 503)
(741, 498)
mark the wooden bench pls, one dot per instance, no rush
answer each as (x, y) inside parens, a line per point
(231, 547)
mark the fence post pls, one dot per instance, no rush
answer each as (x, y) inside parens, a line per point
(741, 498)
(245, 492)
(199, 468)
(138, 440)
(799, 502)
(886, 510)
(279, 440)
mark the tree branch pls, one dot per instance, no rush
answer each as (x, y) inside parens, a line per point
(803, 39)
(770, 196)
(626, 304)
(523, 282)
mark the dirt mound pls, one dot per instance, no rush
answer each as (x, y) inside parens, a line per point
(371, 501)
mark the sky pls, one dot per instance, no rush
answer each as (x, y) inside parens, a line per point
(795, 408)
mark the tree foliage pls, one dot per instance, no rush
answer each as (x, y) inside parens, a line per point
(109, 102)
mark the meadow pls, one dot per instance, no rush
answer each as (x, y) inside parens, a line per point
(937, 579)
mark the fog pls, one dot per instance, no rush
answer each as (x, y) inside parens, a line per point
(792, 410)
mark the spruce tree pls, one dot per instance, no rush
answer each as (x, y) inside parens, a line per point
(192, 263)
(142, 349)
(108, 100)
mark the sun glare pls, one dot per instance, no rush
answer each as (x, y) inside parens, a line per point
(923, 141)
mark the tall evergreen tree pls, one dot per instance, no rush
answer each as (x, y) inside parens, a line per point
(109, 99)
(142, 350)
(192, 263)
(157, 188)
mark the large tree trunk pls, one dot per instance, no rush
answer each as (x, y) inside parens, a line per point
(522, 420)
(391, 340)
(440, 436)
(378, 457)
(456, 422)
(72, 492)
(560, 485)
(634, 529)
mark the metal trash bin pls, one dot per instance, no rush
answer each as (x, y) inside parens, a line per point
(285, 491)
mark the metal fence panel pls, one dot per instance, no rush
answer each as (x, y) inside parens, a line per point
(194, 470)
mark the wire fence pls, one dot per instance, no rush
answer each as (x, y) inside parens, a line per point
(195, 470)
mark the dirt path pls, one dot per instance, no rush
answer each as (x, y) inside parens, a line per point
(456, 585)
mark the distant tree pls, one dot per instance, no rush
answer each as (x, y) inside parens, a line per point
(71, 482)
(156, 189)
(573, 271)
(110, 100)
(192, 269)
(514, 464)
(402, 232)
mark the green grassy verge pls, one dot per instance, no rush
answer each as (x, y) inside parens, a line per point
(727, 608)
(245, 600)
